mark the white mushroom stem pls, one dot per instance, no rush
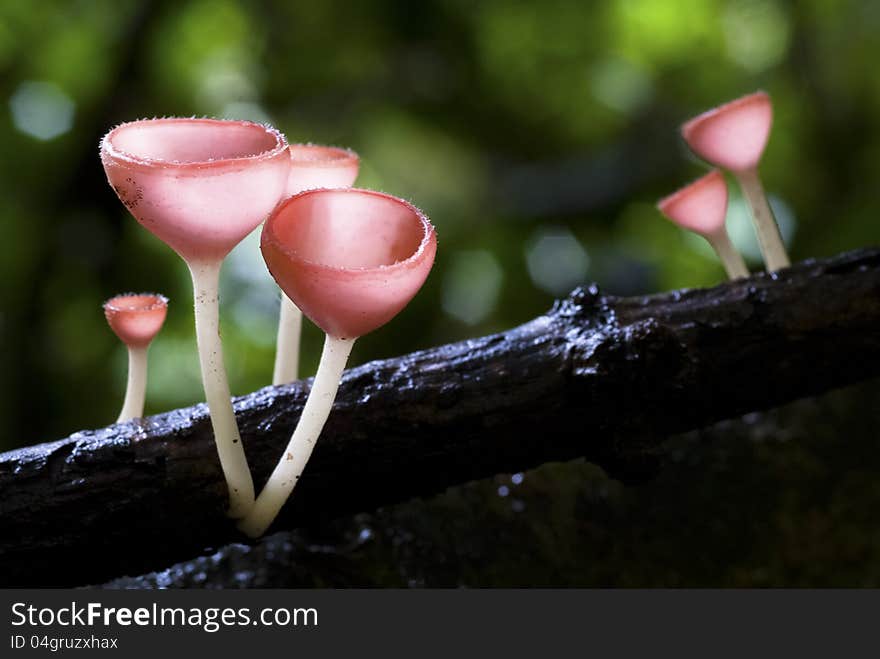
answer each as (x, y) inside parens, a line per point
(287, 346)
(731, 259)
(769, 238)
(136, 387)
(299, 449)
(206, 281)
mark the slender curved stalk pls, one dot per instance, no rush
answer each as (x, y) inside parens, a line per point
(136, 386)
(769, 238)
(206, 281)
(299, 449)
(287, 346)
(731, 259)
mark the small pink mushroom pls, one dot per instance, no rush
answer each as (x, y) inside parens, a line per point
(351, 260)
(201, 185)
(136, 318)
(701, 207)
(311, 166)
(734, 136)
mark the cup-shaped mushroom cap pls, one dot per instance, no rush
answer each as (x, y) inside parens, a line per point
(200, 185)
(350, 259)
(136, 318)
(701, 206)
(314, 166)
(734, 135)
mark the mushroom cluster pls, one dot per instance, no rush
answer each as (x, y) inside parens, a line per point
(350, 259)
(201, 186)
(732, 136)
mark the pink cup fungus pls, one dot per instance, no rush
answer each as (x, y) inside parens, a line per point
(351, 260)
(200, 186)
(311, 166)
(315, 166)
(701, 207)
(733, 136)
(136, 319)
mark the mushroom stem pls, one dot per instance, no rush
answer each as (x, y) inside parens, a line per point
(136, 387)
(731, 259)
(206, 281)
(299, 449)
(287, 347)
(769, 238)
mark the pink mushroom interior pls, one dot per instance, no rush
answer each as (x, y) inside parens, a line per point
(350, 259)
(351, 231)
(701, 206)
(136, 318)
(192, 141)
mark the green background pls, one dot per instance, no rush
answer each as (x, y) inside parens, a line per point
(537, 136)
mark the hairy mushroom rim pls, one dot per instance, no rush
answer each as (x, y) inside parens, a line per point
(297, 232)
(318, 155)
(191, 142)
(136, 318)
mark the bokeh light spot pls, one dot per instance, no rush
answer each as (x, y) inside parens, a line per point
(472, 285)
(756, 33)
(620, 85)
(41, 110)
(557, 262)
(250, 291)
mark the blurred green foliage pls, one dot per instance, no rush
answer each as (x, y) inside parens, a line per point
(537, 136)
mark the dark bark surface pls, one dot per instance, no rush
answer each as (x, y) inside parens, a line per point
(601, 377)
(781, 498)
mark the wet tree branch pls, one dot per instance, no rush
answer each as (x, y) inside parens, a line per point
(602, 377)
